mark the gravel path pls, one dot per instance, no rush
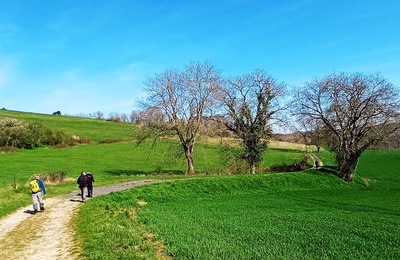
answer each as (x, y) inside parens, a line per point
(47, 235)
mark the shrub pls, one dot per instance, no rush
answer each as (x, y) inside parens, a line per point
(115, 119)
(52, 177)
(75, 140)
(294, 167)
(12, 132)
(15, 133)
(110, 141)
(7, 149)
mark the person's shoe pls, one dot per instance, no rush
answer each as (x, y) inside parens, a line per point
(34, 212)
(42, 209)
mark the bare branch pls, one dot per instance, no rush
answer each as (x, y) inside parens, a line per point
(359, 110)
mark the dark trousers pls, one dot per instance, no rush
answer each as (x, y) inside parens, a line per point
(90, 190)
(82, 191)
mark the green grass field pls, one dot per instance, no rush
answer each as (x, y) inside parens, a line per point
(95, 130)
(303, 215)
(308, 215)
(110, 163)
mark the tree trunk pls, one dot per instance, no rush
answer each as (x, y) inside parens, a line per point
(189, 159)
(253, 168)
(347, 164)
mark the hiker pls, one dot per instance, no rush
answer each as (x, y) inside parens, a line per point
(89, 183)
(316, 164)
(38, 190)
(82, 181)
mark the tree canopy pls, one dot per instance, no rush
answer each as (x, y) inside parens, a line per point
(357, 110)
(251, 102)
(181, 100)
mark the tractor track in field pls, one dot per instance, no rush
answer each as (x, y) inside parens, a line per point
(48, 234)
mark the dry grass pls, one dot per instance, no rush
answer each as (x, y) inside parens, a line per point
(291, 146)
(160, 248)
(366, 181)
(272, 144)
(142, 203)
(19, 238)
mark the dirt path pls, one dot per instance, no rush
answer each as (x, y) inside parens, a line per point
(315, 160)
(19, 236)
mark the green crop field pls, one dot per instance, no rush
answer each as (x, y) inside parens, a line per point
(307, 215)
(301, 215)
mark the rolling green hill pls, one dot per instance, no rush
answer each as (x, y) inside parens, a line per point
(304, 215)
(301, 215)
(112, 162)
(93, 129)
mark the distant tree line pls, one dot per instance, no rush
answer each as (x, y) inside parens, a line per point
(113, 117)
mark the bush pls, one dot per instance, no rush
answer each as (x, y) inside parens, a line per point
(110, 141)
(52, 177)
(7, 149)
(15, 133)
(75, 140)
(115, 119)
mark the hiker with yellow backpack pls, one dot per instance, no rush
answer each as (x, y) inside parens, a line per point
(38, 190)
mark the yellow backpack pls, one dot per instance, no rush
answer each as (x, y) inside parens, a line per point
(34, 186)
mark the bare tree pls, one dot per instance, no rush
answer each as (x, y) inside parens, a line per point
(313, 132)
(99, 115)
(358, 110)
(394, 140)
(150, 116)
(184, 98)
(252, 101)
(124, 117)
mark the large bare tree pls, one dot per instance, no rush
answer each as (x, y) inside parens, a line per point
(357, 109)
(183, 98)
(252, 101)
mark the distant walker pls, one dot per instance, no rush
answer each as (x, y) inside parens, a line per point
(89, 184)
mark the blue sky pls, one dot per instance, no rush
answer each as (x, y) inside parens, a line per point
(80, 57)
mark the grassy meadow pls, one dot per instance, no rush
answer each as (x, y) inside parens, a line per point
(304, 215)
(214, 215)
(93, 129)
(110, 163)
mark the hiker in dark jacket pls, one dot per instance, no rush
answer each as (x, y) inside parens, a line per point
(89, 183)
(82, 182)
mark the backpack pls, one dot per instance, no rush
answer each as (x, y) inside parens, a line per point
(89, 179)
(34, 186)
(82, 181)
